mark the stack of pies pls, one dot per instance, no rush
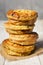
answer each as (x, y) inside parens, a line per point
(20, 27)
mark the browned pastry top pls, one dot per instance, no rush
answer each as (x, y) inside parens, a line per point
(22, 14)
(16, 47)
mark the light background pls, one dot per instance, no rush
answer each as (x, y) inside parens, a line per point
(5, 5)
(37, 5)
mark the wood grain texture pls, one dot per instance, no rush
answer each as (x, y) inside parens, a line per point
(38, 51)
(31, 61)
(41, 59)
(2, 60)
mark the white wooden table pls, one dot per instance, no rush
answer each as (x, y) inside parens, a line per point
(36, 60)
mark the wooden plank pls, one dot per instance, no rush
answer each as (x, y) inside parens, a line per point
(41, 59)
(38, 51)
(2, 60)
(30, 61)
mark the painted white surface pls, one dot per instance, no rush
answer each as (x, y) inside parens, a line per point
(39, 29)
(1, 60)
(37, 60)
(31, 61)
(41, 59)
(3, 35)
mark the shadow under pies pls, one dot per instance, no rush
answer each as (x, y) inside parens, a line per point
(39, 45)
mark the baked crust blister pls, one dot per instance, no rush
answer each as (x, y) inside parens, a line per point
(22, 15)
(29, 22)
(24, 37)
(18, 27)
(17, 48)
(18, 32)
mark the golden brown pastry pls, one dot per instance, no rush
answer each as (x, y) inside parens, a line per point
(21, 41)
(18, 27)
(16, 47)
(18, 32)
(28, 42)
(22, 15)
(12, 53)
(30, 22)
(24, 37)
